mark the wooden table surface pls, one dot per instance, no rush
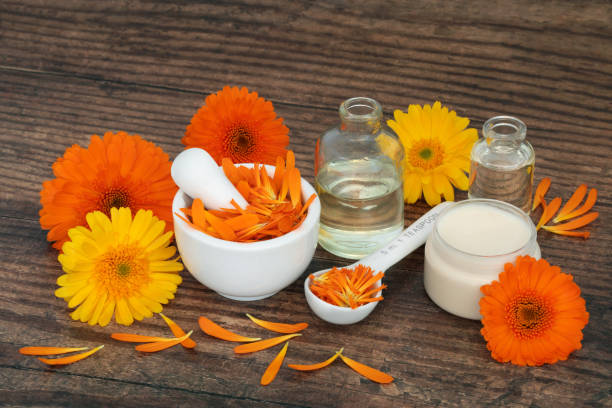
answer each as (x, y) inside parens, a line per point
(73, 68)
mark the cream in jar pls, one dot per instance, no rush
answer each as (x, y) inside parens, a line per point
(469, 245)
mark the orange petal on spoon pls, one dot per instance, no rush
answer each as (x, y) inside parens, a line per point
(48, 351)
(549, 211)
(540, 192)
(263, 344)
(279, 327)
(69, 359)
(312, 367)
(588, 204)
(270, 373)
(368, 372)
(178, 332)
(161, 345)
(213, 329)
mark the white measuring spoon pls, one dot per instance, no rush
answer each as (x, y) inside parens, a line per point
(410, 239)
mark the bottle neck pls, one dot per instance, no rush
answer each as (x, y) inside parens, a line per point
(504, 134)
(361, 114)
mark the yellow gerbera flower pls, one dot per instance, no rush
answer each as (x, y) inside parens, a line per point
(437, 151)
(118, 266)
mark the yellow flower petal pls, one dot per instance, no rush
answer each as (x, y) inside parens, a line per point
(107, 312)
(97, 313)
(430, 194)
(122, 313)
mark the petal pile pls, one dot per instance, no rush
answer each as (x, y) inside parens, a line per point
(579, 216)
(47, 351)
(275, 204)
(348, 287)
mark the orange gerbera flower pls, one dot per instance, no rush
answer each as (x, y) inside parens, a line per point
(120, 170)
(533, 315)
(240, 125)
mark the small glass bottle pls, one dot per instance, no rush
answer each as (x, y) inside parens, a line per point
(502, 163)
(359, 181)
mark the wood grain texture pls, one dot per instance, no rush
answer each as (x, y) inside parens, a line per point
(74, 68)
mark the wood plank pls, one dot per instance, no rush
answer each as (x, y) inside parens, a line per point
(319, 54)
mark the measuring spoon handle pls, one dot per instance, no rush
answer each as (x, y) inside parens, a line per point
(410, 239)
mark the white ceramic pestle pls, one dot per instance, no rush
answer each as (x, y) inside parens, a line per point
(197, 174)
(410, 239)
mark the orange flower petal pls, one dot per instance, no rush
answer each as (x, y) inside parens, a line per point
(307, 204)
(178, 332)
(573, 224)
(161, 345)
(48, 351)
(279, 327)
(279, 171)
(137, 338)
(242, 221)
(270, 373)
(220, 226)
(290, 160)
(192, 225)
(244, 189)
(212, 329)
(588, 204)
(197, 213)
(295, 186)
(581, 234)
(540, 192)
(230, 170)
(368, 372)
(550, 210)
(574, 200)
(69, 359)
(311, 367)
(262, 344)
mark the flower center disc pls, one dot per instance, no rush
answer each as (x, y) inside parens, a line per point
(123, 271)
(528, 315)
(115, 197)
(426, 154)
(240, 140)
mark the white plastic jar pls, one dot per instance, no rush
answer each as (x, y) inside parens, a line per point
(470, 243)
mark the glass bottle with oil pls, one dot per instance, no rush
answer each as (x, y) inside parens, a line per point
(358, 177)
(502, 163)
